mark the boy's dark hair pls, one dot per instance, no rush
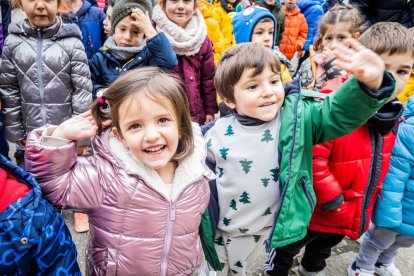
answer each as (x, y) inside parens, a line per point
(235, 60)
(388, 38)
(159, 87)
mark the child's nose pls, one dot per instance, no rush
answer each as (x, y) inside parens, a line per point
(151, 134)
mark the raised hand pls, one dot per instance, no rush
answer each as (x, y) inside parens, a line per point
(363, 63)
(77, 128)
(142, 21)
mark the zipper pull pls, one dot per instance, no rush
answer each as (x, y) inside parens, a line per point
(172, 211)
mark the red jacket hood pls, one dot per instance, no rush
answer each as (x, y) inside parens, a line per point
(10, 189)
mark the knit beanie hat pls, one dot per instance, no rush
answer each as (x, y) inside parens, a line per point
(124, 8)
(245, 21)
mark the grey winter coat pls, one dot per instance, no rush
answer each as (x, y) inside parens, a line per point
(44, 77)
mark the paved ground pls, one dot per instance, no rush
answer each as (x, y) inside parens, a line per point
(342, 255)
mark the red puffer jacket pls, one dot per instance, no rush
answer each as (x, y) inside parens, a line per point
(348, 172)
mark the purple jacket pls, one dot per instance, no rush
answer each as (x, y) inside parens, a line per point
(137, 226)
(197, 74)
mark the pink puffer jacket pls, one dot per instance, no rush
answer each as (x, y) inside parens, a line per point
(137, 227)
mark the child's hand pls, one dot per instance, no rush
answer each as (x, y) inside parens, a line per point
(366, 65)
(142, 21)
(209, 118)
(77, 128)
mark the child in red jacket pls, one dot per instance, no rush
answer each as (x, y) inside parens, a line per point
(349, 170)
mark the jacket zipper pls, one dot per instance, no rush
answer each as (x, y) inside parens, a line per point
(168, 238)
(307, 193)
(282, 196)
(374, 175)
(40, 76)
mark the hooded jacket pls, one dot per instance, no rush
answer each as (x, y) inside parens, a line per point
(44, 77)
(394, 208)
(106, 68)
(307, 121)
(34, 239)
(348, 174)
(90, 20)
(295, 34)
(136, 226)
(312, 10)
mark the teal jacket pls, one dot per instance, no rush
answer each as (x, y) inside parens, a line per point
(307, 121)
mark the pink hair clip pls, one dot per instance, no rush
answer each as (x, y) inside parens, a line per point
(101, 99)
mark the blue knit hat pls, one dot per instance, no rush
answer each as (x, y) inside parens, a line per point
(245, 21)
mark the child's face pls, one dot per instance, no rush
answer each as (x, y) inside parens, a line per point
(107, 21)
(259, 97)
(150, 132)
(337, 33)
(270, 2)
(127, 35)
(41, 13)
(180, 11)
(400, 66)
(290, 5)
(263, 33)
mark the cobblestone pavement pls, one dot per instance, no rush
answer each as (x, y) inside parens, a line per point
(342, 255)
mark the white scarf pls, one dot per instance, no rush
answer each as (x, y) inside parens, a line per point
(184, 41)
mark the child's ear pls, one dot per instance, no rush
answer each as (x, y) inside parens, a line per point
(229, 103)
(356, 35)
(119, 136)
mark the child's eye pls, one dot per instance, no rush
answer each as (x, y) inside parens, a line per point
(328, 38)
(164, 120)
(275, 81)
(188, 1)
(402, 72)
(258, 33)
(252, 87)
(342, 37)
(134, 126)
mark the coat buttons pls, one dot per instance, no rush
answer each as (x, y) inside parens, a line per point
(24, 241)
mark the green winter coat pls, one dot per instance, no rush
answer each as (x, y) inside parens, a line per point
(306, 121)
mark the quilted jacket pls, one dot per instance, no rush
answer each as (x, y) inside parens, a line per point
(213, 29)
(312, 10)
(44, 77)
(408, 89)
(295, 34)
(105, 68)
(34, 239)
(394, 208)
(224, 20)
(137, 227)
(90, 20)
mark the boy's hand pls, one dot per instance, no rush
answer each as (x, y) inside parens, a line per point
(143, 22)
(209, 118)
(366, 65)
(77, 128)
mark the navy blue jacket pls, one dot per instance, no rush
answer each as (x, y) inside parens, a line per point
(90, 20)
(34, 239)
(105, 68)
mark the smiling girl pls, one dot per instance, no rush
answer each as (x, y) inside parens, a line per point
(184, 27)
(145, 189)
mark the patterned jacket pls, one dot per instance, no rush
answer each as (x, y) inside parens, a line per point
(34, 239)
(44, 77)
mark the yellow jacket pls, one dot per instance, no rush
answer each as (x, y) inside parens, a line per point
(408, 90)
(213, 29)
(224, 20)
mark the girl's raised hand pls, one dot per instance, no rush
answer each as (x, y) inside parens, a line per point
(77, 128)
(360, 61)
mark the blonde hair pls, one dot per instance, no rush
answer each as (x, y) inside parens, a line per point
(335, 15)
(158, 86)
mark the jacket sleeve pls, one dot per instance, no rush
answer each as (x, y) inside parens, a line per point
(388, 208)
(55, 251)
(81, 79)
(303, 33)
(10, 96)
(327, 189)
(281, 30)
(208, 91)
(96, 74)
(67, 181)
(346, 109)
(162, 54)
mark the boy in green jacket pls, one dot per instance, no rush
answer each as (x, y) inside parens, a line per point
(262, 154)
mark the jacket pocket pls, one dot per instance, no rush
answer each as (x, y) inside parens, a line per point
(308, 193)
(343, 216)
